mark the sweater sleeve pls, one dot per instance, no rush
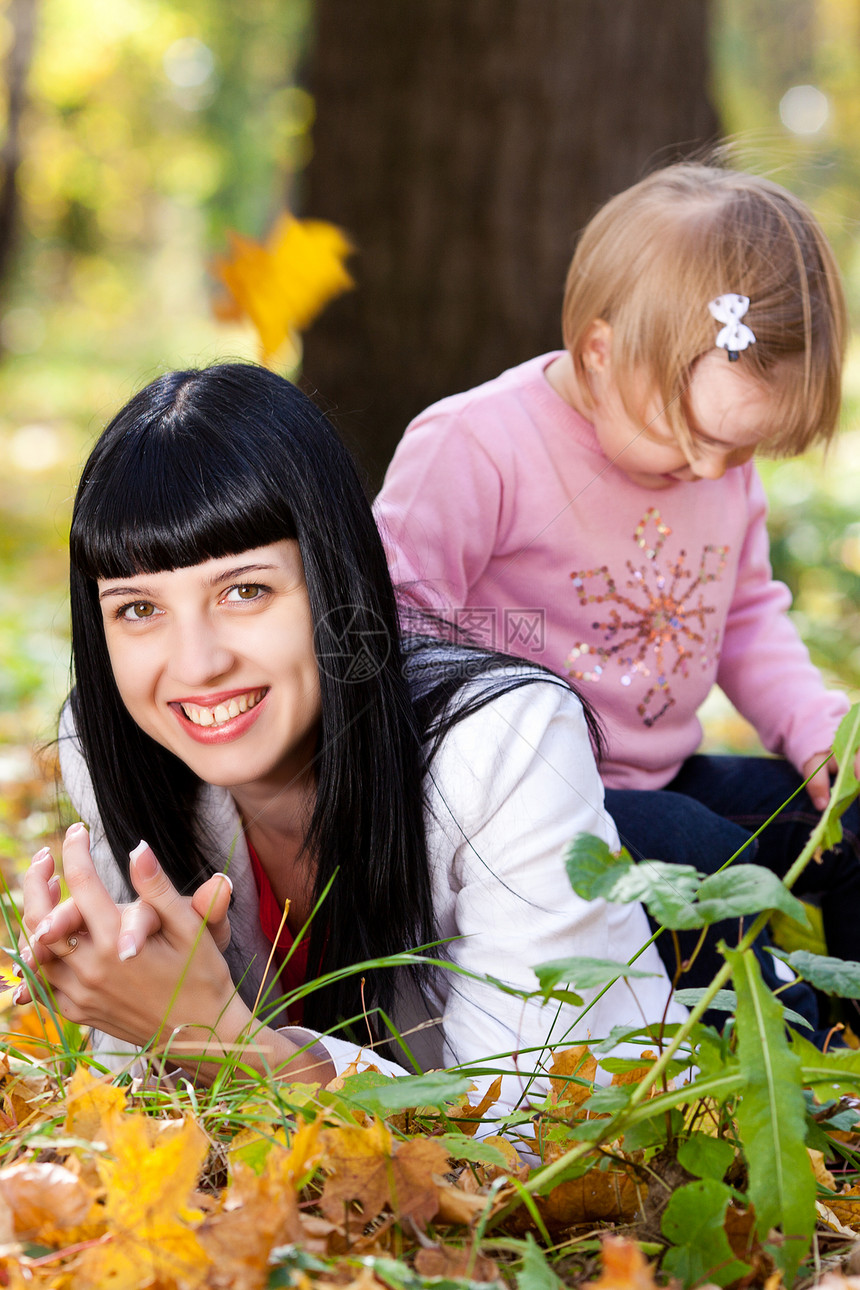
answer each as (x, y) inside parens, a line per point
(514, 784)
(439, 511)
(765, 668)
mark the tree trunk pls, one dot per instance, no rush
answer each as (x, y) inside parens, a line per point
(462, 144)
(22, 21)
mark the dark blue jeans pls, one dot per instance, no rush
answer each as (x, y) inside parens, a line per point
(704, 815)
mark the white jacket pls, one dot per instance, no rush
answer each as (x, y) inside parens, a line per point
(509, 789)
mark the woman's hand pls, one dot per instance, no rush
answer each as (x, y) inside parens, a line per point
(175, 994)
(178, 977)
(45, 917)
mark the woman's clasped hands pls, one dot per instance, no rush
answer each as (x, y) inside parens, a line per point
(137, 971)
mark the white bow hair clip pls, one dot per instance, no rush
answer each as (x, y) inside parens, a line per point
(735, 335)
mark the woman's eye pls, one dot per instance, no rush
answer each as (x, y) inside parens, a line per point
(245, 591)
(140, 609)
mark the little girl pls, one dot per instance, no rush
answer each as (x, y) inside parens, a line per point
(597, 510)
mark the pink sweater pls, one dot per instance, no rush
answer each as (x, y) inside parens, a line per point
(500, 510)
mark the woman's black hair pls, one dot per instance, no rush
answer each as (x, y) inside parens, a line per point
(205, 464)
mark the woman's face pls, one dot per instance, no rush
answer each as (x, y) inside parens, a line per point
(216, 662)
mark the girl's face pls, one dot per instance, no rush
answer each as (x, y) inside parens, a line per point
(727, 412)
(216, 662)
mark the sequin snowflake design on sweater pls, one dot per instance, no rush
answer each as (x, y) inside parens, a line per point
(656, 621)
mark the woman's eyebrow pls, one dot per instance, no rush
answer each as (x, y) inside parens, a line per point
(229, 575)
(139, 591)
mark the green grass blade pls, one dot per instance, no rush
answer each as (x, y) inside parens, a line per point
(771, 1116)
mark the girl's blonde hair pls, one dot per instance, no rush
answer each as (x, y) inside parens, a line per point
(650, 261)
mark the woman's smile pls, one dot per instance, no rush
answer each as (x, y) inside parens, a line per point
(221, 708)
(223, 718)
(216, 663)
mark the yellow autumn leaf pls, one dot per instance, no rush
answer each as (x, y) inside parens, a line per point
(261, 1210)
(89, 1103)
(282, 285)
(148, 1182)
(32, 1029)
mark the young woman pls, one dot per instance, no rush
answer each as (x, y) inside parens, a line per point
(244, 702)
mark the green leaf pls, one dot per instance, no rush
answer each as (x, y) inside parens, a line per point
(400, 1277)
(594, 872)
(577, 1169)
(609, 1100)
(588, 1130)
(582, 973)
(771, 1115)
(435, 1088)
(536, 1273)
(461, 1147)
(746, 889)
(694, 1221)
(723, 1000)
(827, 1074)
(832, 976)
(593, 869)
(846, 786)
(653, 1132)
(706, 1157)
(727, 1001)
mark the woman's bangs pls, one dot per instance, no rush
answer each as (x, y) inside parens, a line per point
(151, 521)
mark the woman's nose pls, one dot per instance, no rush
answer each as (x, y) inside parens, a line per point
(198, 654)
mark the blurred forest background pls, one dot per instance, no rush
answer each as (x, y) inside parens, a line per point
(459, 145)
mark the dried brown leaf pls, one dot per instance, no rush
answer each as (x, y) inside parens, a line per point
(578, 1062)
(474, 1114)
(368, 1171)
(43, 1198)
(846, 1206)
(452, 1261)
(636, 1074)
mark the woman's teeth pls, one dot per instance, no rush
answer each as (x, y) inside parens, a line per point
(222, 711)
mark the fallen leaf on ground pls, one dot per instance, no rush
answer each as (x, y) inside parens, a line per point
(846, 1206)
(43, 1198)
(474, 1114)
(624, 1267)
(147, 1214)
(451, 1261)
(90, 1102)
(578, 1062)
(600, 1196)
(369, 1171)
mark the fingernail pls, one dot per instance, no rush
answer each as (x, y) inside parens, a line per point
(17, 971)
(143, 859)
(28, 960)
(74, 829)
(229, 881)
(19, 994)
(125, 946)
(42, 930)
(44, 854)
(54, 889)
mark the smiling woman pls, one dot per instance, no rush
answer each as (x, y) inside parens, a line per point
(171, 635)
(245, 701)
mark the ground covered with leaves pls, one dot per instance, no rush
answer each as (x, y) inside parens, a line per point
(700, 1157)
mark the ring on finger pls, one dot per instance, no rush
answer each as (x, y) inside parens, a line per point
(72, 942)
